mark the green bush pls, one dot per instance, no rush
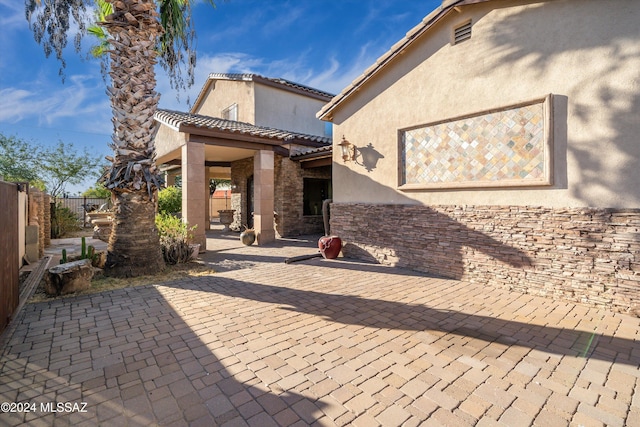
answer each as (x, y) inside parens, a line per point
(98, 192)
(63, 221)
(170, 200)
(174, 238)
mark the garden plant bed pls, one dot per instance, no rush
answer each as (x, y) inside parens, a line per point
(100, 283)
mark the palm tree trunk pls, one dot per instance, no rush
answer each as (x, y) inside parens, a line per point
(133, 248)
(133, 178)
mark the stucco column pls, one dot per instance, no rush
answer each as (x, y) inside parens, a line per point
(193, 189)
(263, 193)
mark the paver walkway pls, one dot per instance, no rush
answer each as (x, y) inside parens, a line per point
(319, 342)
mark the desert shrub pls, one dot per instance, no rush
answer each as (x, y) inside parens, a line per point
(174, 238)
(63, 221)
(170, 200)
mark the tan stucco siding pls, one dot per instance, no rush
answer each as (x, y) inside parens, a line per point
(586, 53)
(168, 140)
(286, 110)
(223, 93)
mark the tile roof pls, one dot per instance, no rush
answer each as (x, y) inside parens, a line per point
(313, 153)
(180, 120)
(274, 82)
(278, 81)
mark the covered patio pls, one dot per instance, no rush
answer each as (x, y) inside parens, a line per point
(203, 147)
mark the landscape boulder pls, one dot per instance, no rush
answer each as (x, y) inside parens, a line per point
(69, 277)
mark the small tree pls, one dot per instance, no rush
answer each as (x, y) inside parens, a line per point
(49, 169)
(18, 160)
(97, 192)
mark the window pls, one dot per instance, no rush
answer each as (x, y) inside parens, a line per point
(328, 129)
(314, 193)
(231, 112)
(462, 33)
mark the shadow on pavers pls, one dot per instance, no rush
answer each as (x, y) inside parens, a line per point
(384, 314)
(135, 357)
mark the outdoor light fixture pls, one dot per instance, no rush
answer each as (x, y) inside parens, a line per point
(348, 149)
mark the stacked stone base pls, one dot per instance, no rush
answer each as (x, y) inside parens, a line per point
(584, 255)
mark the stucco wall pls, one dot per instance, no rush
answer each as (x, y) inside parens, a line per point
(286, 110)
(223, 93)
(586, 53)
(167, 140)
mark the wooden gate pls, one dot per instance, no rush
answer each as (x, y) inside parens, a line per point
(9, 253)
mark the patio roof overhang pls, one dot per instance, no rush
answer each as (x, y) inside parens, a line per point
(227, 141)
(313, 158)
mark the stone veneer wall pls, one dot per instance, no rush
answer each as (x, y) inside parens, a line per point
(47, 219)
(289, 198)
(288, 195)
(584, 255)
(39, 214)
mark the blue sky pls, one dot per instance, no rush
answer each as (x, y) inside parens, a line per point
(320, 43)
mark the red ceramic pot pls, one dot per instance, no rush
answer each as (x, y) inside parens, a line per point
(330, 246)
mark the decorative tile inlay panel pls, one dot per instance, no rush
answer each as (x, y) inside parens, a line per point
(500, 148)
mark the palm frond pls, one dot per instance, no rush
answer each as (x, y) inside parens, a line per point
(103, 9)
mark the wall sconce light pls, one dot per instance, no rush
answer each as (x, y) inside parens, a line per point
(348, 150)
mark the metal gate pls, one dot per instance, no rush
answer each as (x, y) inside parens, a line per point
(9, 253)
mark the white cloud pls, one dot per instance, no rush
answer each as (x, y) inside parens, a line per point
(83, 100)
(327, 79)
(281, 21)
(230, 30)
(228, 63)
(13, 15)
(333, 77)
(19, 104)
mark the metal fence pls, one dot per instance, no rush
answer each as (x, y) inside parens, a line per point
(81, 205)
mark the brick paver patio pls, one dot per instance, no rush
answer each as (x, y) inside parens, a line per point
(264, 343)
